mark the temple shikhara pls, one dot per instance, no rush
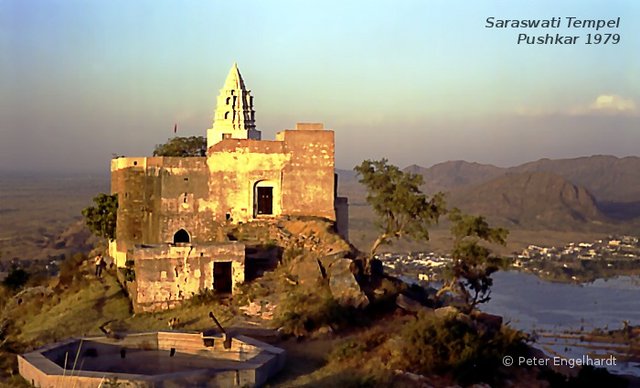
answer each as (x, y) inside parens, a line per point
(171, 208)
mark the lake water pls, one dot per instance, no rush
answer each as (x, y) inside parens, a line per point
(529, 302)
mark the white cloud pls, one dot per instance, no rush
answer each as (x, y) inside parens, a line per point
(606, 104)
(612, 103)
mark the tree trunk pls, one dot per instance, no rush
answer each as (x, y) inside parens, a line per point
(379, 241)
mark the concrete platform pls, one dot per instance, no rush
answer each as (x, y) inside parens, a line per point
(153, 359)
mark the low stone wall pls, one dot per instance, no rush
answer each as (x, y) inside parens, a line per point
(190, 344)
(254, 361)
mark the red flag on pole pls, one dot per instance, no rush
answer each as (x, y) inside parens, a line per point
(175, 128)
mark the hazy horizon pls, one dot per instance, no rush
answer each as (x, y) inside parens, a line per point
(416, 82)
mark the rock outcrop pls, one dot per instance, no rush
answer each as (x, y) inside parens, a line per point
(344, 286)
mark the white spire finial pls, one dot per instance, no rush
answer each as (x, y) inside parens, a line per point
(234, 115)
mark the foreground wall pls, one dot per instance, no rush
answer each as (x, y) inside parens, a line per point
(256, 362)
(167, 275)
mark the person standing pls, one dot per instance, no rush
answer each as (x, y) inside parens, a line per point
(99, 261)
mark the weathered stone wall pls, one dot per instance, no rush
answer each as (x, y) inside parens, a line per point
(235, 167)
(308, 178)
(167, 275)
(128, 180)
(299, 166)
(157, 197)
(342, 217)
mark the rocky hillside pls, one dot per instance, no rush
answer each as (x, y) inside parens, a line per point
(451, 175)
(534, 199)
(609, 178)
(607, 189)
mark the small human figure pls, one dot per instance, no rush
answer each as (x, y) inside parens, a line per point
(174, 323)
(99, 261)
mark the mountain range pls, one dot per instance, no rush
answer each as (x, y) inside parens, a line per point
(561, 194)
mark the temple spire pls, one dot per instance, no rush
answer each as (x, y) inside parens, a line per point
(234, 116)
(234, 79)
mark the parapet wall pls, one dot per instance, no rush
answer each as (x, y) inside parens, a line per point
(247, 362)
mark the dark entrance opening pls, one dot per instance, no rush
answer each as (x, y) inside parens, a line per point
(265, 200)
(222, 276)
(181, 236)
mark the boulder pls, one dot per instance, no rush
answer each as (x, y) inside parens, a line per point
(329, 259)
(408, 304)
(306, 269)
(344, 287)
(446, 311)
(488, 324)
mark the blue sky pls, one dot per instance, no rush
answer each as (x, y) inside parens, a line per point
(415, 81)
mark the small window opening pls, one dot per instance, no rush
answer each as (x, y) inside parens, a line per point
(181, 236)
(135, 162)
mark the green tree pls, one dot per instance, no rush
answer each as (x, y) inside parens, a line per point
(402, 209)
(101, 218)
(182, 146)
(473, 263)
(16, 278)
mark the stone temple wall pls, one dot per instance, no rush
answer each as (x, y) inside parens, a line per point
(166, 275)
(158, 196)
(171, 209)
(308, 179)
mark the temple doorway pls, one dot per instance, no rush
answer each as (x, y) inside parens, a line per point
(222, 276)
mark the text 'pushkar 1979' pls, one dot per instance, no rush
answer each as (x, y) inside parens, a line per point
(598, 31)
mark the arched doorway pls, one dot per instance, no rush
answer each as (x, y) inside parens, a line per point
(181, 236)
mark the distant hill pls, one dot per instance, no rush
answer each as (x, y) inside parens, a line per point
(606, 188)
(531, 199)
(613, 181)
(609, 178)
(455, 174)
